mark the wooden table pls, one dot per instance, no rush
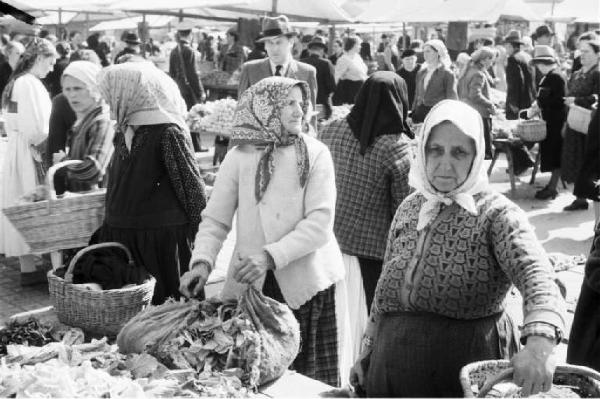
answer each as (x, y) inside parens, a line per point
(503, 146)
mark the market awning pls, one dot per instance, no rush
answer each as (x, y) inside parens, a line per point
(398, 11)
(52, 18)
(585, 11)
(316, 10)
(154, 21)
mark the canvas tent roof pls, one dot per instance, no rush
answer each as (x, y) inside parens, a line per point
(586, 11)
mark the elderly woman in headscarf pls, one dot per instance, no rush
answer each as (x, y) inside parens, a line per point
(90, 137)
(281, 183)
(371, 150)
(435, 80)
(454, 249)
(155, 192)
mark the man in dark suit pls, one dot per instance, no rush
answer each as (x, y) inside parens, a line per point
(325, 73)
(277, 36)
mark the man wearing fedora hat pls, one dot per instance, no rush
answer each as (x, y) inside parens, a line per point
(520, 91)
(278, 38)
(325, 72)
(132, 45)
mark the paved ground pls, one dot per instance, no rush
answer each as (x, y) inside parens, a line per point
(568, 233)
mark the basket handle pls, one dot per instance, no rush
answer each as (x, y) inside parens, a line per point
(78, 255)
(507, 375)
(50, 176)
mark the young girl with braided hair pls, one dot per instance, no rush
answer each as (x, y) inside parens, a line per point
(26, 107)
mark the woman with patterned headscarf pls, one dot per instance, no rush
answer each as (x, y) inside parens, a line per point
(155, 193)
(90, 137)
(454, 250)
(26, 105)
(281, 183)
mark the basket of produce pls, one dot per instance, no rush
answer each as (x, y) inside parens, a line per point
(48, 223)
(493, 379)
(216, 78)
(80, 301)
(532, 130)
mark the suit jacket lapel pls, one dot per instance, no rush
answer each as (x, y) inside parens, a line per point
(292, 70)
(266, 68)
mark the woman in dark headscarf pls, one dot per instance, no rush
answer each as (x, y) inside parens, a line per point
(155, 193)
(371, 152)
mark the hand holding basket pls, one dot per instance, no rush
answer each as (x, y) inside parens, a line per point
(532, 130)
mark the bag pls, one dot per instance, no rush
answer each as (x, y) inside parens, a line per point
(579, 118)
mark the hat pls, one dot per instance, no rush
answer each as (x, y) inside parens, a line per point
(275, 27)
(306, 39)
(131, 38)
(185, 26)
(514, 36)
(318, 41)
(408, 53)
(544, 55)
(543, 30)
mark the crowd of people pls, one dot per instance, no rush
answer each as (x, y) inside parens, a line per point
(379, 229)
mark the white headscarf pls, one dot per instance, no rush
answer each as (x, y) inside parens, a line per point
(469, 122)
(86, 72)
(442, 51)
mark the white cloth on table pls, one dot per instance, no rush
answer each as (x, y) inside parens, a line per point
(29, 126)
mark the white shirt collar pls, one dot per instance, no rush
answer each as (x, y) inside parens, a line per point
(285, 65)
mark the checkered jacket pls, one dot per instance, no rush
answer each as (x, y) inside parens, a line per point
(369, 187)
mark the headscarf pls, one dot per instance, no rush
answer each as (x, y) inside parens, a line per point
(257, 121)
(87, 73)
(380, 108)
(138, 93)
(442, 51)
(469, 122)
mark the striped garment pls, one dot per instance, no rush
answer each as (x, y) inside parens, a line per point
(90, 141)
(369, 187)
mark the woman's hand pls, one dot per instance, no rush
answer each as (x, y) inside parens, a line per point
(534, 366)
(193, 281)
(358, 372)
(251, 268)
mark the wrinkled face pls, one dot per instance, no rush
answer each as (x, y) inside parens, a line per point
(431, 56)
(78, 95)
(43, 66)
(279, 49)
(588, 56)
(449, 155)
(291, 112)
(409, 63)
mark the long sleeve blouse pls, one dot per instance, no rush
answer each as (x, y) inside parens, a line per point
(350, 67)
(462, 265)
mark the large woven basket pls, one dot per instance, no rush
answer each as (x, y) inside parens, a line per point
(482, 379)
(531, 130)
(98, 312)
(56, 224)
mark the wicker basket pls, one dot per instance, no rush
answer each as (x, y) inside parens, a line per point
(56, 224)
(532, 130)
(478, 379)
(98, 312)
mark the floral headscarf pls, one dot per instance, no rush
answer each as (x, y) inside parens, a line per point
(138, 93)
(257, 121)
(469, 122)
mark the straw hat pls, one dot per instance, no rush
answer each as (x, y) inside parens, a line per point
(276, 27)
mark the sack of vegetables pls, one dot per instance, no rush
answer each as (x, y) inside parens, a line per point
(256, 335)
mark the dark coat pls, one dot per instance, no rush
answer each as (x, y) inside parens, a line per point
(325, 77)
(584, 340)
(410, 77)
(551, 93)
(520, 91)
(474, 89)
(184, 73)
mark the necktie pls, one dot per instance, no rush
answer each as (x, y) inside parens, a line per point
(278, 70)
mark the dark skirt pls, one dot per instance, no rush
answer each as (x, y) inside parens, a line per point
(586, 185)
(573, 152)
(421, 354)
(346, 91)
(318, 356)
(370, 270)
(164, 252)
(551, 146)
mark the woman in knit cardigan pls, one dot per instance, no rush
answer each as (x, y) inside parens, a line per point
(281, 183)
(454, 250)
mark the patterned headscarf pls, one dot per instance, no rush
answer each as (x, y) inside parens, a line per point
(257, 121)
(469, 122)
(138, 93)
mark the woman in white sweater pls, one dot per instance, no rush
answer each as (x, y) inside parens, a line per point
(281, 182)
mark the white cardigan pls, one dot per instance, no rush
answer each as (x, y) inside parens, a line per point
(294, 224)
